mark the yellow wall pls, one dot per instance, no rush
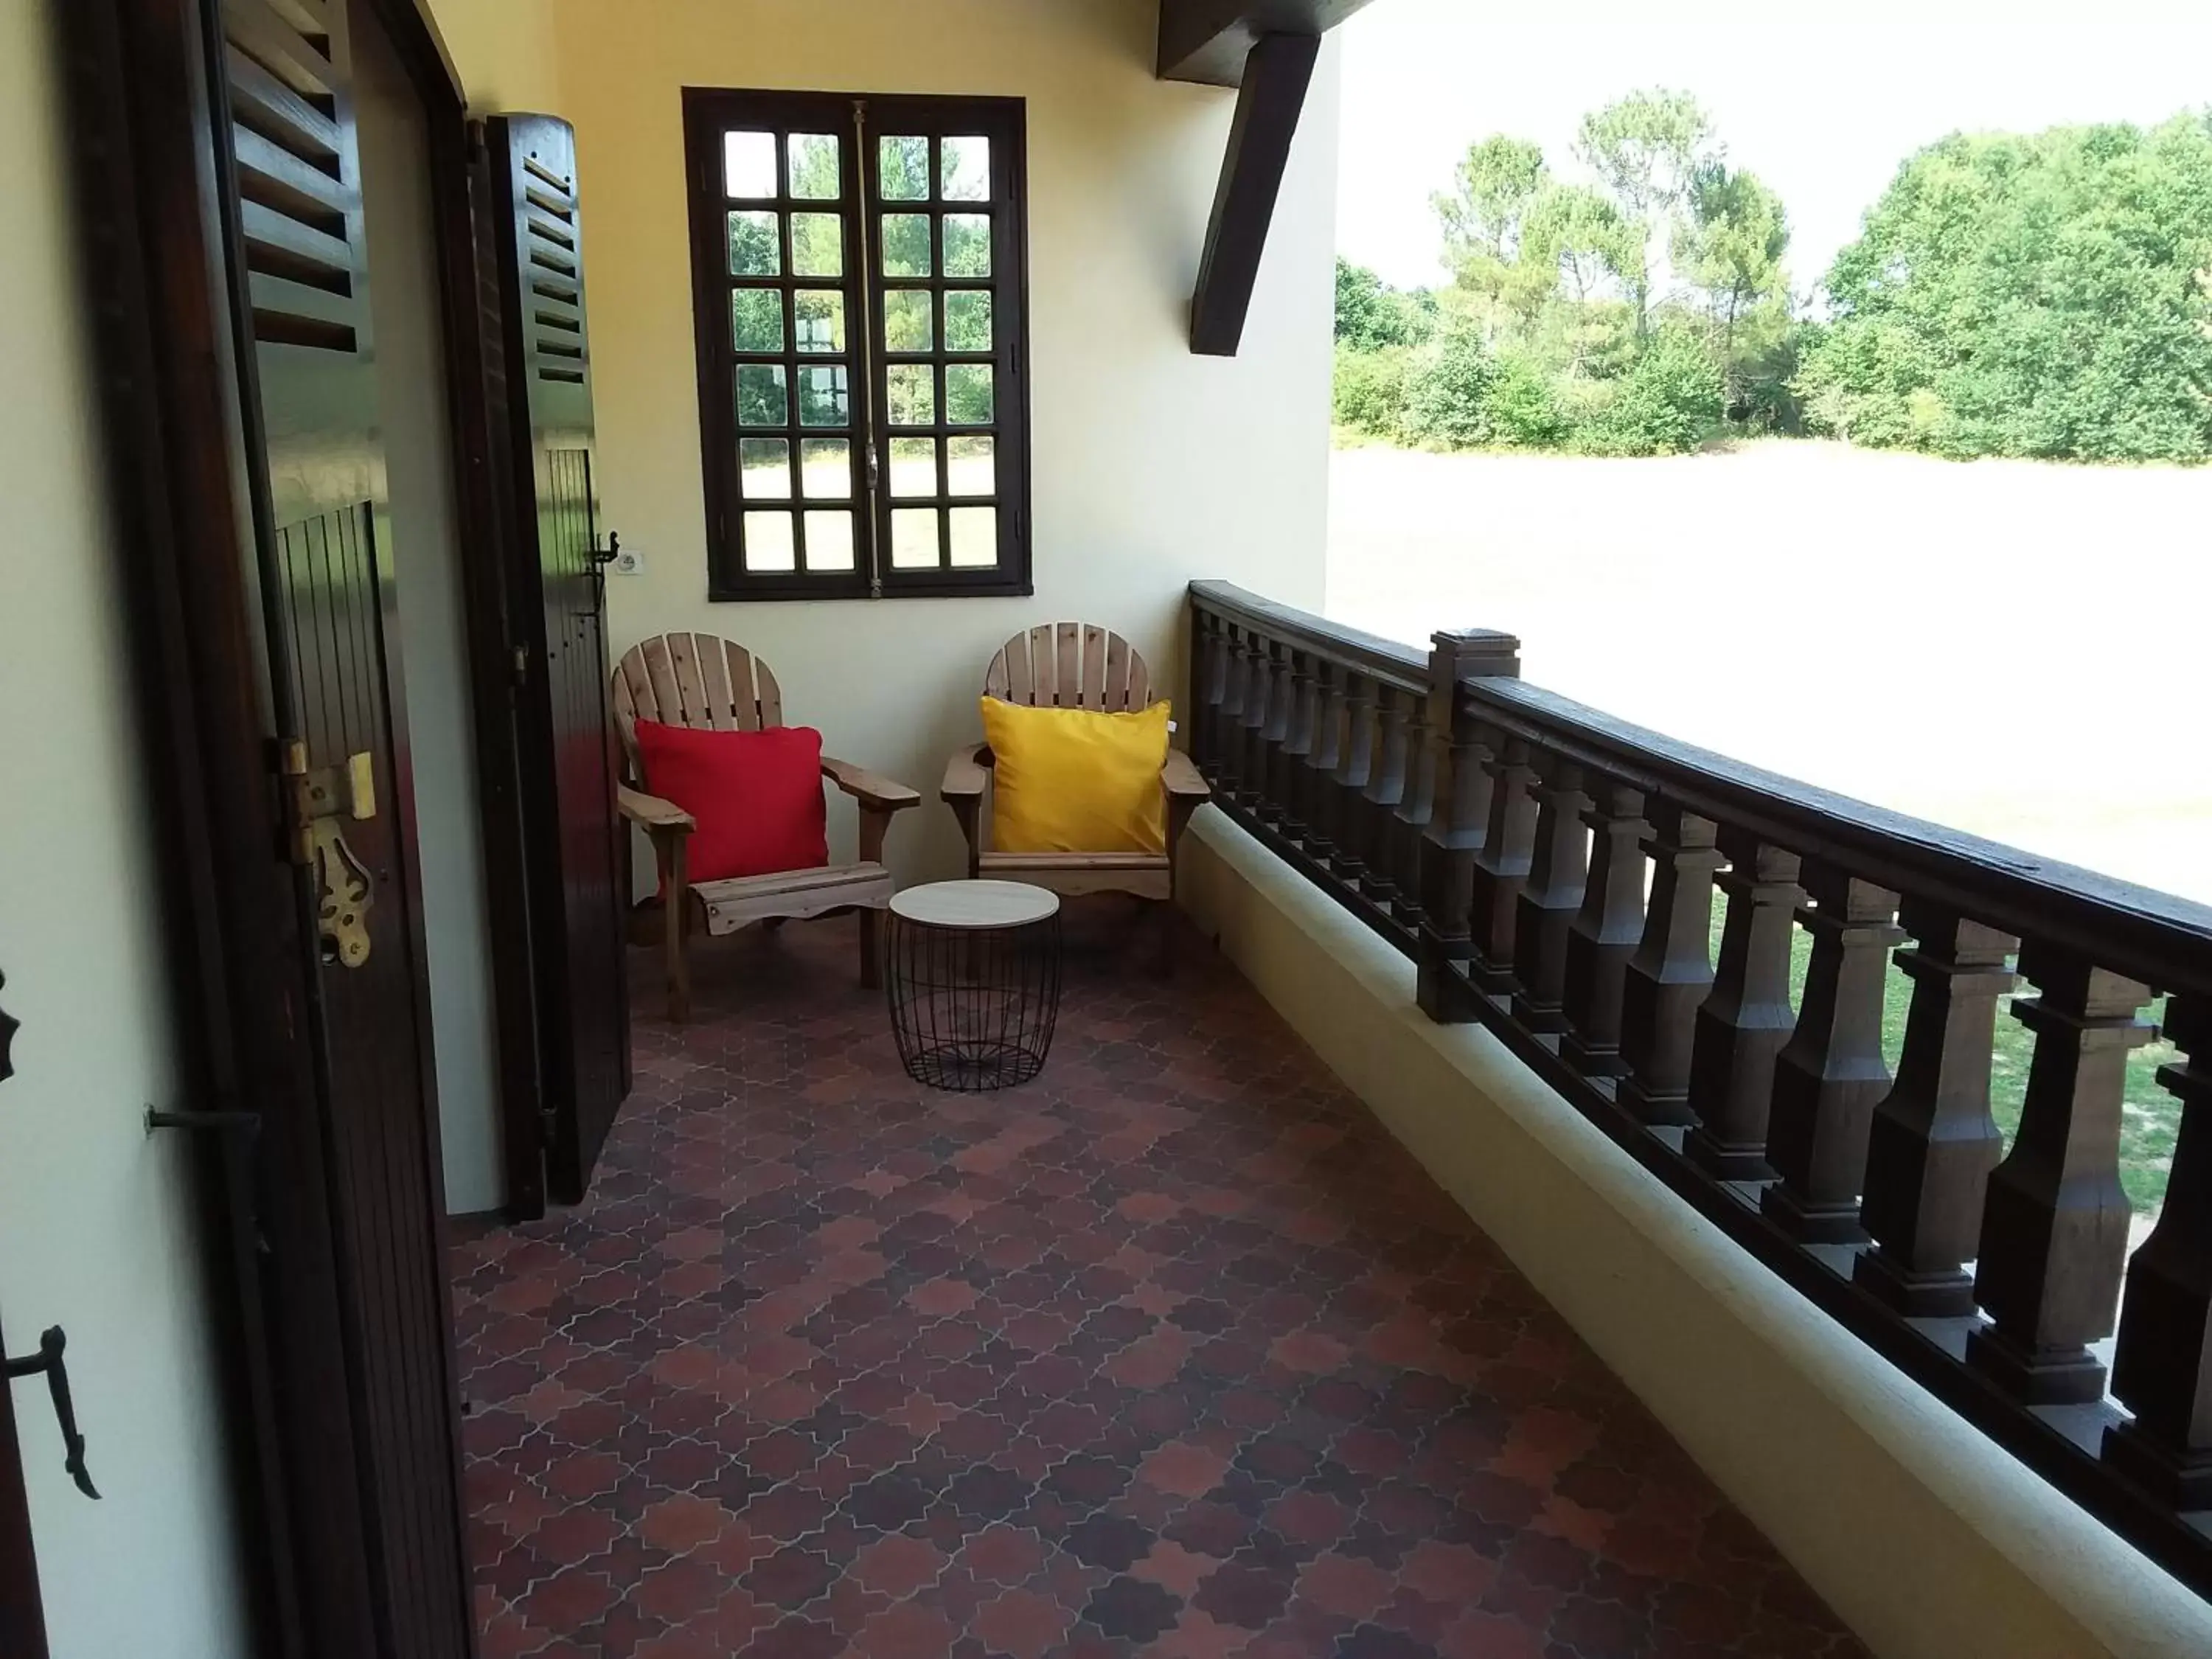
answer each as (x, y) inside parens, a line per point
(96, 1217)
(1926, 1538)
(504, 51)
(1152, 465)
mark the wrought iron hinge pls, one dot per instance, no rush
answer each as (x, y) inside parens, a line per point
(48, 1363)
(520, 663)
(315, 798)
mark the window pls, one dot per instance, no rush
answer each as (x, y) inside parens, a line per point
(858, 269)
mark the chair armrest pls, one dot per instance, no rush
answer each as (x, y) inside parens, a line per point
(965, 776)
(1182, 777)
(868, 788)
(650, 812)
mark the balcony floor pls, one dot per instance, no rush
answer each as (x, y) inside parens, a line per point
(1174, 1351)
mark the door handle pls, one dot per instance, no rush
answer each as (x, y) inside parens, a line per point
(48, 1363)
(607, 555)
(315, 799)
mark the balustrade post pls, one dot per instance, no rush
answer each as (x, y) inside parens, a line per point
(1934, 1142)
(2162, 1364)
(1746, 1019)
(1252, 768)
(1296, 745)
(2055, 1223)
(1605, 932)
(1501, 866)
(1323, 758)
(1831, 1075)
(1386, 788)
(1552, 896)
(1354, 769)
(1671, 972)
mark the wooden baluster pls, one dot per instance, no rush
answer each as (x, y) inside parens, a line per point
(1298, 743)
(1552, 896)
(1274, 735)
(1212, 687)
(2162, 1364)
(1746, 1019)
(1509, 844)
(1228, 718)
(1409, 823)
(1933, 1142)
(1445, 817)
(2055, 1223)
(1355, 768)
(1605, 932)
(1323, 760)
(1386, 788)
(1252, 772)
(1672, 971)
(1832, 1075)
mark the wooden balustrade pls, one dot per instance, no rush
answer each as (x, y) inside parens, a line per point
(1550, 870)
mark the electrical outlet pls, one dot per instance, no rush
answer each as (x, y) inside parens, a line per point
(629, 563)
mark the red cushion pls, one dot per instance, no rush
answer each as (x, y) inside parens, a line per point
(758, 796)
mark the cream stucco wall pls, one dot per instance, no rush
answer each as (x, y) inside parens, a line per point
(96, 1229)
(1926, 1538)
(1152, 465)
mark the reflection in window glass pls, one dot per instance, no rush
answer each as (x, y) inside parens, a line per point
(755, 244)
(912, 389)
(968, 394)
(769, 542)
(764, 469)
(755, 319)
(817, 245)
(904, 164)
(914, 466)
(914, 539)
(907, 323)
(825, 474)
(749, 164)
(824, 396)
(815, 175)
(967, 168)
(967, 245)
(829, 541)
(818, 315)
(975, 536)
(968, 322)
(975, 466)
(763, 397)
(906, 244)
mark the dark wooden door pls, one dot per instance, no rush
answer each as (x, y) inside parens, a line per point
(297, 251)
(577, 875)
(23, 1621)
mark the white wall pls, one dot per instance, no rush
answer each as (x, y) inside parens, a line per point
(96, 1223)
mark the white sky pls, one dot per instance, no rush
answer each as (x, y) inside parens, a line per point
(1821, 101)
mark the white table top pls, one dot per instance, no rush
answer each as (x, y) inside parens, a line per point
(976, 904)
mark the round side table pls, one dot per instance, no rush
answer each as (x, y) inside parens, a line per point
(974, 982)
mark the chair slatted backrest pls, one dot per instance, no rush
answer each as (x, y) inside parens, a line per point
(695, 680)
(1070, 665)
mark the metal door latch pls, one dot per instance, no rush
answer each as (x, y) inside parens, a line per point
(48, 1363)
(315, 800)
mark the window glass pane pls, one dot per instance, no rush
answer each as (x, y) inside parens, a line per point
(914, 466)
(907, 322)
(830, 540)
(755, 319)
(967, 322)
(975, 536)
(819, 316)
(769, 542)
(763, 398)
(756, 245)
(967, 395)
(912, 389)
(967, 245)
(764, 469)
(904, 164)
(824, 397)
(967, 170)
(914, 539)
(814, 170)
(975, 466)
(906, 244)
(749, 164)
(825, 473)
(817, 245)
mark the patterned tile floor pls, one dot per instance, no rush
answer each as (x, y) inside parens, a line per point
(1173, 1352)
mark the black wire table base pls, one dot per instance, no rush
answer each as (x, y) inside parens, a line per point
(974, 1008)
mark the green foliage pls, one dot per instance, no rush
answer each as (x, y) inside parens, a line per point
(1728, 250)
(1646, 150)
(1669, 404)
(1448, 388)
(2035, 296)
(1371, 315)
(1370, 393)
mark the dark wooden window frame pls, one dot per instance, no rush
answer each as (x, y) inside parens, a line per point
(707, 114)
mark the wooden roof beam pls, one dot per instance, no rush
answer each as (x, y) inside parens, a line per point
(1208, 41)
(1278, 71)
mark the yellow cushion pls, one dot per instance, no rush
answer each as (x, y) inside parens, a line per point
(1075, 780)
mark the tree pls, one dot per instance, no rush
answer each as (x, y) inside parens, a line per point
(1582, 237)
(1646, 149)
(1484, 217)
(1729, 249)
(1371, 315)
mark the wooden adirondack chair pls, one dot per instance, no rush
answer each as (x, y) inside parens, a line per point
(1072, 666)
(700, 681)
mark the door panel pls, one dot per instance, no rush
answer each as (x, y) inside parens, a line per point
(577, 873)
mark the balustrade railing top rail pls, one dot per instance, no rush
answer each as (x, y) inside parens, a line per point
(1553, 872)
